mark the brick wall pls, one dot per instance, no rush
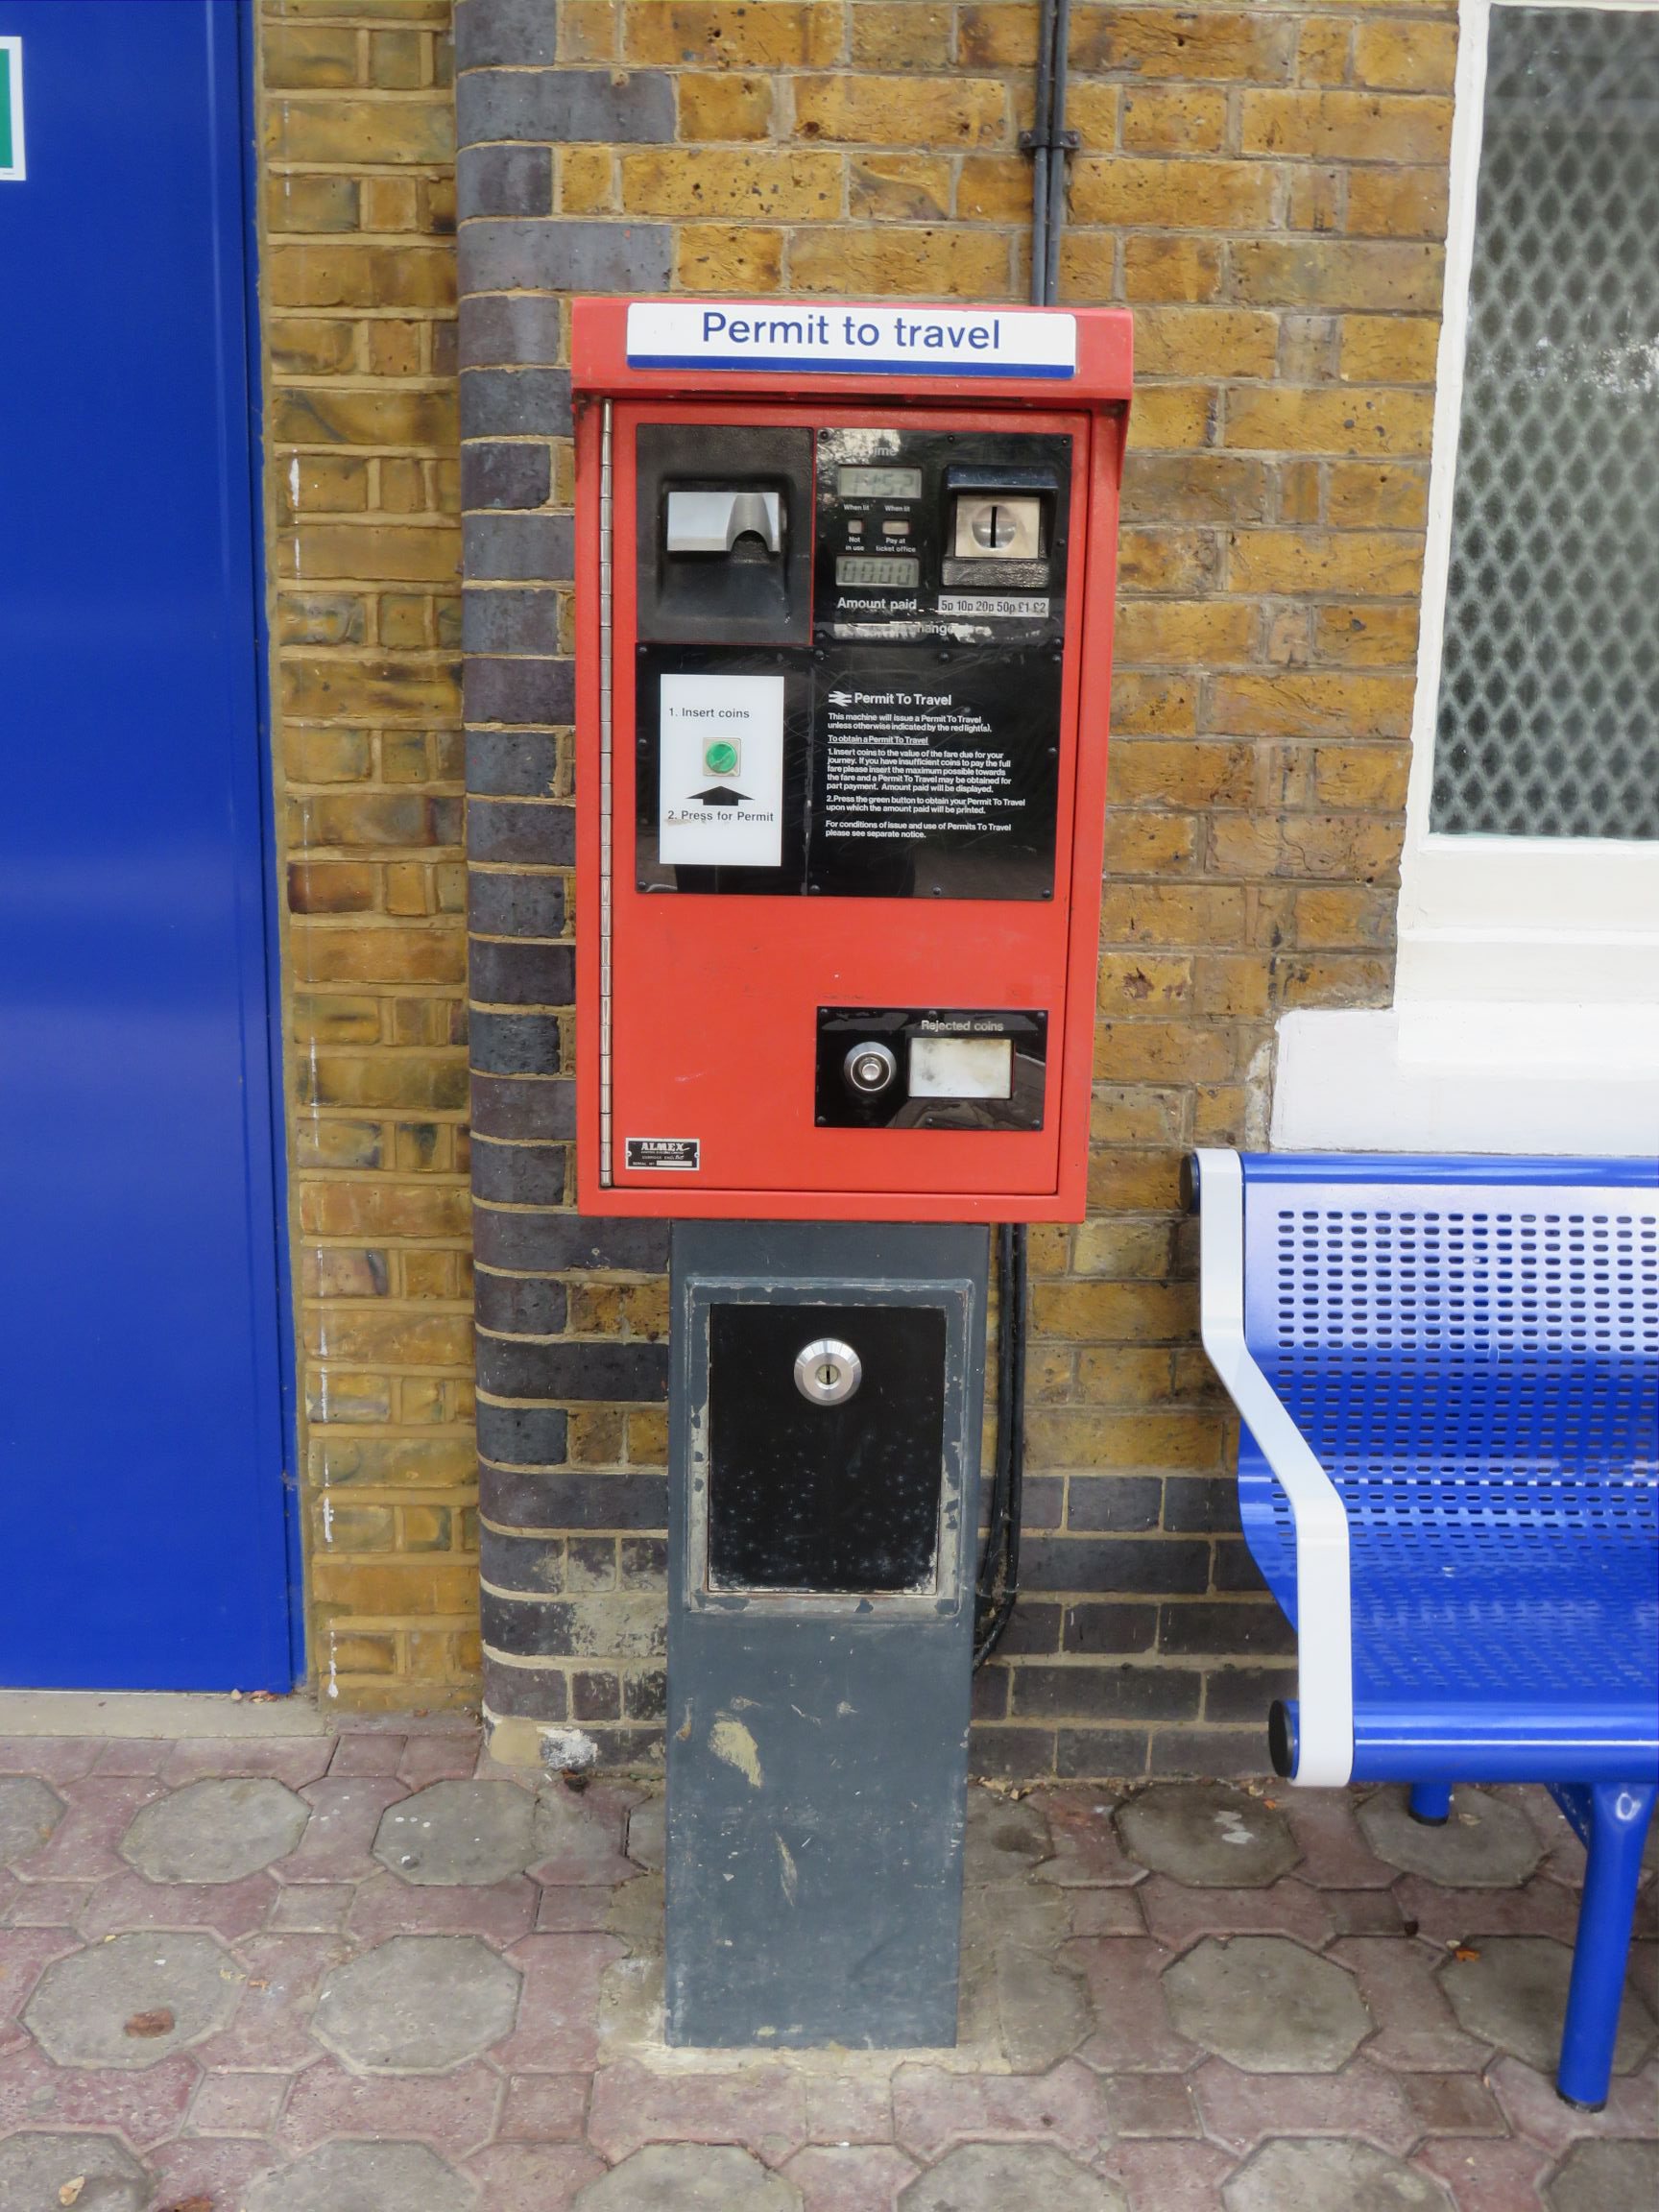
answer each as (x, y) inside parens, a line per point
(358, 269)
(1265, 187)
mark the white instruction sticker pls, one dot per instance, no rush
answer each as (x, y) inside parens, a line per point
(720, 776)
(1020, 607)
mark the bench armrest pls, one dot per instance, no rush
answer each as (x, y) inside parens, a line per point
(1324, 1630)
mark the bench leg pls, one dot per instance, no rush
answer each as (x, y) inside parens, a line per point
(1431, 1802)
(1619, 1817)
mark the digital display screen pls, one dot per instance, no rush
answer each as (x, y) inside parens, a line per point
(886, 571)
(878, 483)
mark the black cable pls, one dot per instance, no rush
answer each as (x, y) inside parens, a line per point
(998, 1582)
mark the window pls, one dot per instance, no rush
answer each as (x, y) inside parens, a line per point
(1533, 849)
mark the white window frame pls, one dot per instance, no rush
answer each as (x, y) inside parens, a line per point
(1529, 920)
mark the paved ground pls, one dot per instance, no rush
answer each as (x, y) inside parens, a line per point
(375, 1974)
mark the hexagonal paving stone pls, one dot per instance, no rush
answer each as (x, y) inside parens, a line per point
(1309, 2174)
(1515, 1995)
(991, 2176)
(1605, 2177)
(364, 2178)
(215, 1830)
(648, 1835)
(688, 2177)
(457, 1833)
(1487, 1845)
(1267, 2005)
(1006, 1837)
(418, 2004)
(34, 2171)
(1208, 1836)
(29, 1811)
(81, 2011)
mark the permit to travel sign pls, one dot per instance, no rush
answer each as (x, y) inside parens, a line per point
(11, 111)
(902, 341)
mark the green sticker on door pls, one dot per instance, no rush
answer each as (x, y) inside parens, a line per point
(11, 111)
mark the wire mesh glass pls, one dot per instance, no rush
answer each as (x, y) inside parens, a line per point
(1548, 710)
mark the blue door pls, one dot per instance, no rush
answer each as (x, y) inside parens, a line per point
(142, 1521)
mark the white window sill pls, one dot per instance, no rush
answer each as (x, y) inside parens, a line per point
(1445, 1075)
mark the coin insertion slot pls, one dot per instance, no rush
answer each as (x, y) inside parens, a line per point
(997, 526)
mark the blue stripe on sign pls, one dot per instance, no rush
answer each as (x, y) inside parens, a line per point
(865, 367)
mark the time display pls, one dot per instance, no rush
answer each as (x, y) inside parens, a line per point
(878, 483)
(889, 571)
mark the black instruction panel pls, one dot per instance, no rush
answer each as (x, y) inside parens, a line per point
(912, 749)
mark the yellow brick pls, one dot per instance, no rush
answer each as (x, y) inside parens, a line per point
(1172, 195)
(1128, 1181)
(1092, 111)
(999, 34)
(1357, 422)
(383, 954)
(341, 275)
(725, 106)
(750, 186)
(356, 132)
(1171, 418)
(1340, 274)
(1397, 203)
(994, 188)
(767, 34)
(1346, 126)
(403, 1589)
(398, 59)
(1304, 702)
(322, 417)
(1176, 560)
(1087, 267)
(587, 179)
(953, 263)
(1161, 1052)
(1124, 1377)
(377, 550)
(353, 1653)
(368, 690)
(1173, 119)
(1297, 562)
(1362, 775)
(1247, 44)
(1153, 772)
(902, 112)
(1407, 57)
(728, 257)
(1367, 636)
(1205, 341)
(1377, 494)
(899, 187)
(1181, 268)
(1164, 915)
(1339, 915)
(1141, 984)
(306, 56)
(1204, 632)
(1323, 48)
(1151, 844)
(1152, 706)
(909, 35)
(588, 29)
(307, 347)
(1232, 986)
(312, 203)
(1388, 349)
(1113, 1312)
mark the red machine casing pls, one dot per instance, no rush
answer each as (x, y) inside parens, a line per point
(695, 1013)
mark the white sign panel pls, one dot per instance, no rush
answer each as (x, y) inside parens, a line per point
(879, 341)
(11, 165)
(720, 776)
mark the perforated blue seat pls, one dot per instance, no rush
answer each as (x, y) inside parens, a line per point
(1469, 1350)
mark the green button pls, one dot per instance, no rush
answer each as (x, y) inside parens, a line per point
(720, 758)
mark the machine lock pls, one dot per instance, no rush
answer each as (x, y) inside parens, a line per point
(828, 1371)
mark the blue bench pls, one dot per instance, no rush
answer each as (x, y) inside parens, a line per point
(1448, 1374)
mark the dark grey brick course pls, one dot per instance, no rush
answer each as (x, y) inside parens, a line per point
(1095, 1751)
(1106, 1628)
(1244, 1694)
(1163, 1565)
(518, 1174)
(536, 1692)
(511, 764)
(522, 972)
(511, 548)
(503, 905)
(511, 327)
(509, 830)
(504, 619)
(503, 180)
(515, 1043)
(515, 403)
(520, 1305)
(530, 691)
(560, 106)
(633, 1374)
(1105, 1694)
(505, 30)
(1200, 1629)
(503, 475)
(563, 1500)
(505, 254)
(561, 1243)
(1118, 1501)
(524, 1106)
(523, 1435)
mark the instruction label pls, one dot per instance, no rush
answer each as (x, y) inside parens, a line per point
(720, 784)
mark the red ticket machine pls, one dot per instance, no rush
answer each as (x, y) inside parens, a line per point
(845, 581)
